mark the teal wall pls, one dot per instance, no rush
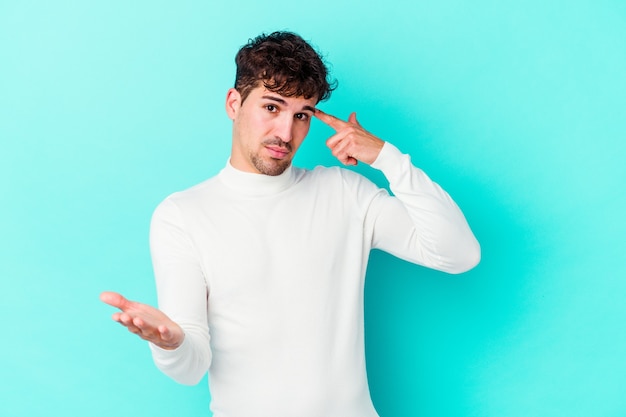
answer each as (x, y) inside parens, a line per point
(517, 108)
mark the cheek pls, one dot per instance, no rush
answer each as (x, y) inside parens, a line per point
(261, 125)
(253, 133)
(300, 134)
(302, 129)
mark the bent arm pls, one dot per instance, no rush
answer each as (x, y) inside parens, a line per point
(182, 295)
(421, 224)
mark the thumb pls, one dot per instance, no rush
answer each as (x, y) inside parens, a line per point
(165, 333)
(352, 119)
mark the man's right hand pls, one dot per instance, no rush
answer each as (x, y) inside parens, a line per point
(145, 321)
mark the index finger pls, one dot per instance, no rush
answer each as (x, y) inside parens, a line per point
(329, 119)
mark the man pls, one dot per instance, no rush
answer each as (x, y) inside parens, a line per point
(260, 269)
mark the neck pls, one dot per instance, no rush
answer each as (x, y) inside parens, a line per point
(254, 183)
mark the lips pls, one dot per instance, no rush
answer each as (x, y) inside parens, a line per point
(277, 152)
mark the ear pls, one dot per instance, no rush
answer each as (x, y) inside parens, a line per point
(233, 103)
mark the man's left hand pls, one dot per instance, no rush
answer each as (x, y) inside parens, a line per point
(351, 143)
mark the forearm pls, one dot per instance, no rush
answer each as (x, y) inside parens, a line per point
(438, 235)
(189, 362)
(182, 295)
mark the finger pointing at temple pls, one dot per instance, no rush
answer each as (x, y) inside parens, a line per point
(332, 121)
(350, 143)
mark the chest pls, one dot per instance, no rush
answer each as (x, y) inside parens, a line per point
(290, 243)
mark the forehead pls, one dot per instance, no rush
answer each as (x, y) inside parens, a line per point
(262, 93)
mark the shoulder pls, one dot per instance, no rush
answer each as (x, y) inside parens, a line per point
(333, 173)
(190, 197)
(196, 192)
(341, 180)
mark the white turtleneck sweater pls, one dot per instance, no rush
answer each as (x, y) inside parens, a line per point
(266, 274)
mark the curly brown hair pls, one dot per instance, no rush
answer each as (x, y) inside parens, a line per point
(286, 64)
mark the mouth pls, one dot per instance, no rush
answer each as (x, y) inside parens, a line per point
(277, 152)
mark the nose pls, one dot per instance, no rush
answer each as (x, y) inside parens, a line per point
(283, 129)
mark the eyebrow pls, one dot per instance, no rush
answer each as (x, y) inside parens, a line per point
(284, 103)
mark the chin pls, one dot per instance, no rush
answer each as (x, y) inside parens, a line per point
(270, 166)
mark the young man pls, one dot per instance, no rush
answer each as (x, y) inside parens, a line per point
(260, 270)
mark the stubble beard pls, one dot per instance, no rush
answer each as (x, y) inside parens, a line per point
(271, 166)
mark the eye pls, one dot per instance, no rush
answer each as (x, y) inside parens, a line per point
(271, 108)
(302, 116)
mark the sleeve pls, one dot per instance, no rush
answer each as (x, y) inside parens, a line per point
(182, 295)
(421, 223)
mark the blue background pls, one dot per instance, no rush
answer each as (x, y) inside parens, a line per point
(516, 108)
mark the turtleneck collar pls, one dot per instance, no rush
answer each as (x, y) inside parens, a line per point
(256, 184)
